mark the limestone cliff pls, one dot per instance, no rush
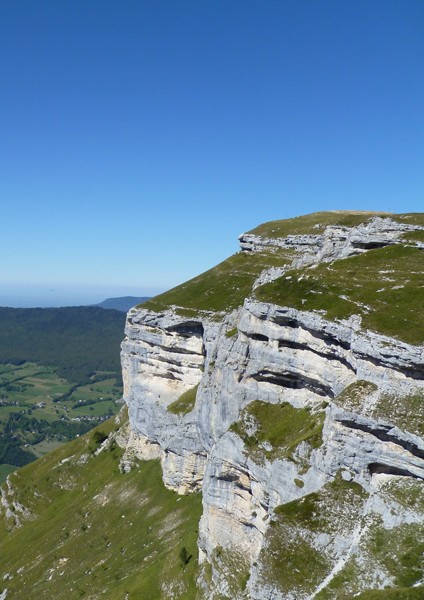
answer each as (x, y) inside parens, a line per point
(287, 385)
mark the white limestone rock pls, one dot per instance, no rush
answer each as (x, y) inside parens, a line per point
(277, 355)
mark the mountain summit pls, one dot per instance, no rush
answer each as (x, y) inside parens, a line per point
(282, 393)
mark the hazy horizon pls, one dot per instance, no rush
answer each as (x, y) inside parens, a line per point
(53, 296)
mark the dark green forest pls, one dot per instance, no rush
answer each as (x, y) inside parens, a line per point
(78, 340)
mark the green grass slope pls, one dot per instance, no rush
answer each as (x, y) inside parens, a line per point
(220, 289)
(384, 286)
(92, 532)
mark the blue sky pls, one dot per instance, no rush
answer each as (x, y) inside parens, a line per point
(140, 138)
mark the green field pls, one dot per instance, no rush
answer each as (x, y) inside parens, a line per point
(40, 410)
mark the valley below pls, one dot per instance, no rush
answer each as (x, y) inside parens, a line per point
(59, 376)
(39, 410)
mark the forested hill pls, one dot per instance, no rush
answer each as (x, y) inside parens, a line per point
(123, 303)
(78, 340)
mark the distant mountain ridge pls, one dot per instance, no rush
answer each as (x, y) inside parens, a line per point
(124, 303)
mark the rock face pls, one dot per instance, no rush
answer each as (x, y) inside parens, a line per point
(304, 434)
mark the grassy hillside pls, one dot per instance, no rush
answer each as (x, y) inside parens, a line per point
(220, 289)
(92, 532)
(385, 286)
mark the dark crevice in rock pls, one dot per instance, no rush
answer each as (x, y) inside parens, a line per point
(292, 380)
(382, 433)
(284, 321)
(234, 478)
(174, 349)
(168, 375)
(380, 468)
(306, 348)
(371, 245)
(173, 365)
(414, 371)
(258, 337)
(177, 350)
(228, 477)
(327, 338)
(187, 329)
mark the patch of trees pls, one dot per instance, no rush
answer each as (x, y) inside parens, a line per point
(19, 428)
(19, 423)
(11, 452)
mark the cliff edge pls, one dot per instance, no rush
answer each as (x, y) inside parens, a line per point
(287, 385)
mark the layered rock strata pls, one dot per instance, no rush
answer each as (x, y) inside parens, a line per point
(262, 354)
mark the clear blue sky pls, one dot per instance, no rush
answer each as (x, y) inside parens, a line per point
(138, 139)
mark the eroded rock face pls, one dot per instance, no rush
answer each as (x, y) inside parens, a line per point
(264, 354)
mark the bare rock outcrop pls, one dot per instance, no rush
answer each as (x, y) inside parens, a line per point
(333, 379)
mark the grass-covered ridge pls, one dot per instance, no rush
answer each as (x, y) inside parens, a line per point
(314, 223)
(94, 532)
(384, 286)
(410, 218)
(276, 430)
(222, 288)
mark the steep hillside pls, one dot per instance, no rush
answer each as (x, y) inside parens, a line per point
(286, 385)
(75, 527)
